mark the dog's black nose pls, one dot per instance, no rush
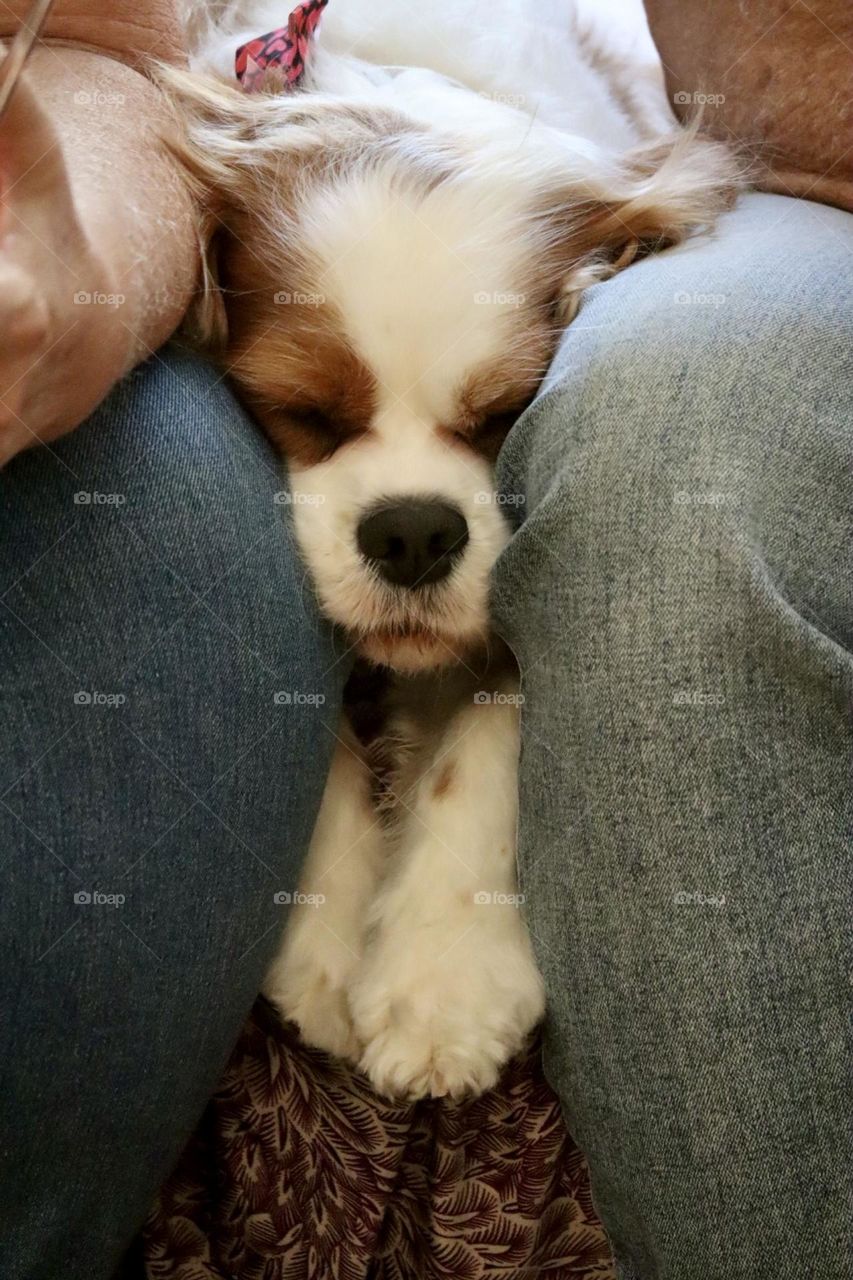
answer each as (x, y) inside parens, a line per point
(413, 543)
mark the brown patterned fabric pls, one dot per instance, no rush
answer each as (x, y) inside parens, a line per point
(299, 1171)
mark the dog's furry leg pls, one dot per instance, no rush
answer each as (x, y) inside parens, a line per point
(449, 988)
(323, 942)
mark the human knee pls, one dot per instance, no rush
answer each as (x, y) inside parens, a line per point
(690, 433)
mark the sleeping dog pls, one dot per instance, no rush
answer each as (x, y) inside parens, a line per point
(402, 211)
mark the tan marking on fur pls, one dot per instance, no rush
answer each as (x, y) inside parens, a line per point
(299, 375)
(444, 782)
(254, 157)
(585, 237)
(592, 234)
(291, 360)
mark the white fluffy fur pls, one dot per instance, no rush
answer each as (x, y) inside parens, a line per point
(402, 967)
(416, 963)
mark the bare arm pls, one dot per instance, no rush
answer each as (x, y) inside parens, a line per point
(97, 243)
(772, 75)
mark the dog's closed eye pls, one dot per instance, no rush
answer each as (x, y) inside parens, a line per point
(486, 432)
(309, 433)
(313, 418)
(489, 433)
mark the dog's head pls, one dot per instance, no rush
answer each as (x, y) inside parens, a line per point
(387, 298)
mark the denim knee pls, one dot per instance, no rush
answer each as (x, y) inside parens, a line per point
(155, 617)
(679, 598)
(170, 696)
(691, 439)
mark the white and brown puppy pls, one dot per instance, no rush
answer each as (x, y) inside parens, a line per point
(397, 247)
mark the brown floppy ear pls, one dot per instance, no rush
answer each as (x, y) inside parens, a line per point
(211, 129)
(212, 133)
(652, 198)
(250, 155)
(235, 149)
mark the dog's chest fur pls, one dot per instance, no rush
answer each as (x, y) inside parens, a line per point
(401, 721)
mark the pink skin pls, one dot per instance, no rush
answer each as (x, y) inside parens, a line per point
(46, 261)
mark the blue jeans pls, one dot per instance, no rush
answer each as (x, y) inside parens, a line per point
(679, 597)
(155, 794)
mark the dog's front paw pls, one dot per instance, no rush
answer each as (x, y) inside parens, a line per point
(308, 984)
(408, 1059)
(444, 1025)
(319, 1007)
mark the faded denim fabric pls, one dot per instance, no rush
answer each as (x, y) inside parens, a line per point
(680, 597)
(155, 795)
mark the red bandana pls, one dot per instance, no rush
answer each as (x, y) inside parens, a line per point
(286, 48)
